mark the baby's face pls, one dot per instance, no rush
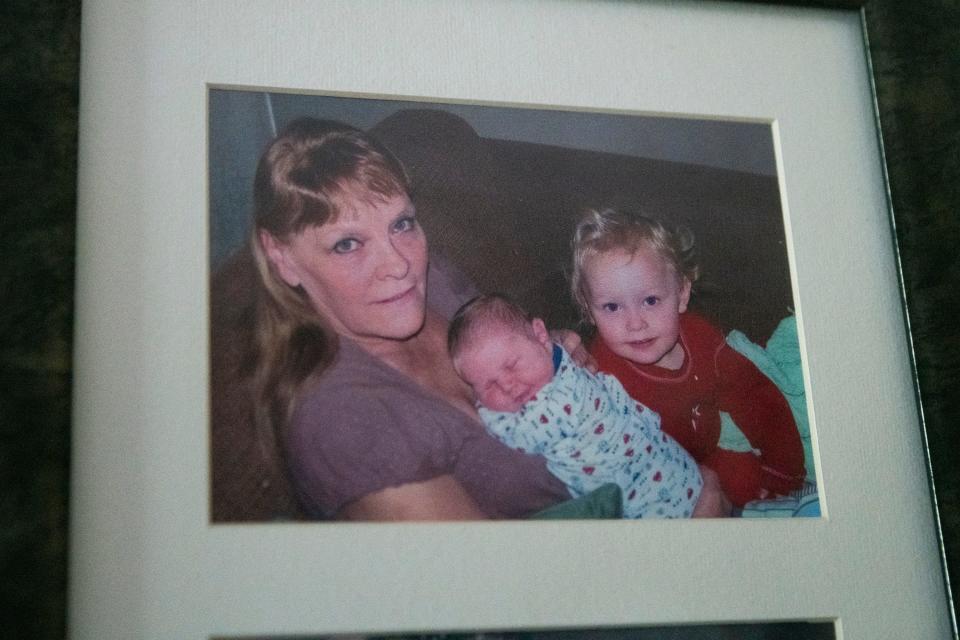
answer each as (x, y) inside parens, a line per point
(636, 301)
(506, 367)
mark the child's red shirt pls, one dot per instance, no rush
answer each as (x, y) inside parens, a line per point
(714, 378)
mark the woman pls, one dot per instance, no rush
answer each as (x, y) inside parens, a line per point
(352, 369)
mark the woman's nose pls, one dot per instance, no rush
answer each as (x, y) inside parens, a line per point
(393, 262)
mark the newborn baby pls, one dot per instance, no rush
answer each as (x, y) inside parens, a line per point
(533, 398)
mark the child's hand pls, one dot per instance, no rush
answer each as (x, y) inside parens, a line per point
(712, 502)
(572, 344)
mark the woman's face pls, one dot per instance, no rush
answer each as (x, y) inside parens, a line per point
(365, 272)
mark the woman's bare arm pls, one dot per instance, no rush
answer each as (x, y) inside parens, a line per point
(440, 498)
(713, 503)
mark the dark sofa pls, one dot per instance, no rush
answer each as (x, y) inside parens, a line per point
(503, 212)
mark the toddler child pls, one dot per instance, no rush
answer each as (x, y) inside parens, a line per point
(533, 398)
(631, 279)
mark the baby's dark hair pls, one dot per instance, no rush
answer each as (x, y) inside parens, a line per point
(603, 230)
(484, 312)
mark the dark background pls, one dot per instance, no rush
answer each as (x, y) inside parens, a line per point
(242, 122)
(917, 67)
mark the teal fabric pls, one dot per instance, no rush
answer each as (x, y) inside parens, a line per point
(803, 503)
(779, 361)
(602, 503)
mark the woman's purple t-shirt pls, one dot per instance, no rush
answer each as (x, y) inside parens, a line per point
(362, 427)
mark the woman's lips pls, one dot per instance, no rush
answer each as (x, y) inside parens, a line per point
(399, 296)
(640, 344)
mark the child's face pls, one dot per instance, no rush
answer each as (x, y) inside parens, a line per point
(506, 367)
(636, 301)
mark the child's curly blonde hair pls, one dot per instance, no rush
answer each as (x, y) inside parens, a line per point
(603, 230)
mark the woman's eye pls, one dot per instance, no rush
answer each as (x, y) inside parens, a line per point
(651, 301)
(405, 224)
(346, 245)
(610, 307)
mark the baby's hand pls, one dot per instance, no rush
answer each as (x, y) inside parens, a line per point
(572, 344)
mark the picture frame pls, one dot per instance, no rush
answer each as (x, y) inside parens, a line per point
(143, 541)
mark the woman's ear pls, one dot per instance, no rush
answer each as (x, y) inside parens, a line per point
(541, 333)
(278, 254)
(684, 294)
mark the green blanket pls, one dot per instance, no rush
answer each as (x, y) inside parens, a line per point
(603, 502)
(779, 361)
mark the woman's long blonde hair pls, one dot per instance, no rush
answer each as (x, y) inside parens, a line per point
(301, 179)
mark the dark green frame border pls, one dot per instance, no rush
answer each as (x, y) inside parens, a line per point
(916, 75)
(916, 70)
(915, 64)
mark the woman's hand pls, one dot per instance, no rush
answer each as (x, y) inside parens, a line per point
(712, 502)
(440, 498)
(572, 344)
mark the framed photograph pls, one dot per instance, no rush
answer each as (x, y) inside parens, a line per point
(146, 560)
(498, 191)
